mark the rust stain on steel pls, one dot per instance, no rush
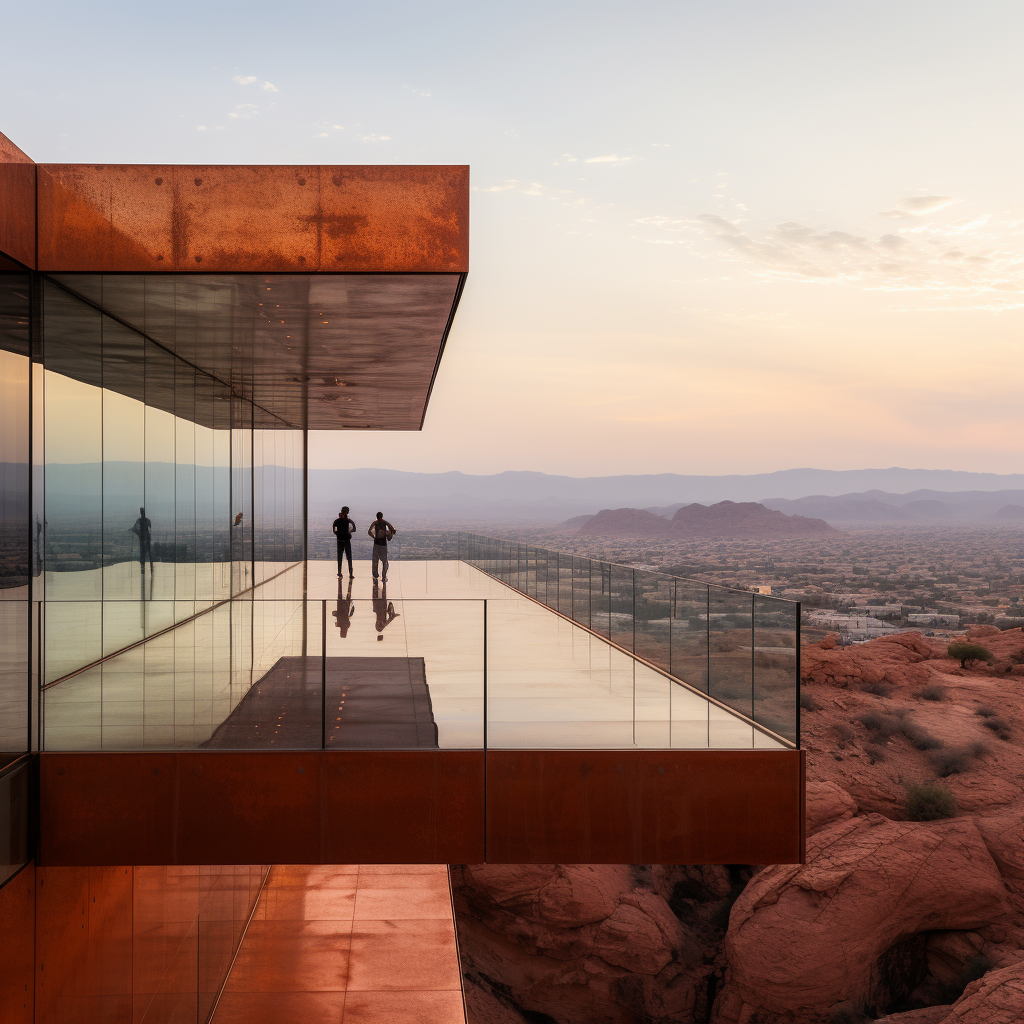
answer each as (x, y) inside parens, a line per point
(644, 806)
(266, 219)
(17, 204)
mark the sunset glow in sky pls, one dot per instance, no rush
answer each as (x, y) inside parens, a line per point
(706, 238)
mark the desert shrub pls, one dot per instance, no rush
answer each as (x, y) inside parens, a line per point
(929, 802)
(879, 689)
(807, 702)
(1017, 657)
(881, 727)
(920, 738)
(953, 762)
(998, 726)
(875, 754)
(984, 711)
(966, 650)
(843, 733)
(933, 692)
(950, 762)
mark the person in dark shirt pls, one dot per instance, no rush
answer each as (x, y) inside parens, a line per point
(143, 530)
(381, 531)
(343, 530)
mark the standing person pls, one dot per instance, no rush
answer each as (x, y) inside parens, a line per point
(143, 530)
(343, 530)
(381, 531)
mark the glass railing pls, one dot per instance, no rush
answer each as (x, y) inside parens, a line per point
(498, 671)
(737, 648)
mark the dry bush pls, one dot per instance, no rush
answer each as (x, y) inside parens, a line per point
(807, 702)
(953, 762)
(879, 689)
(929, 802)
(933, 692)
(965, 651)
(998, 726)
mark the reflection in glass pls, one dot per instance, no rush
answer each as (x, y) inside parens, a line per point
(15, 555)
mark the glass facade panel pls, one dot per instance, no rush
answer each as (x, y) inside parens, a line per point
(148, 522)
(15, 387)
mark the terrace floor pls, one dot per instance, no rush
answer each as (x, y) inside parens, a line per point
(348, 944)
(549, 682)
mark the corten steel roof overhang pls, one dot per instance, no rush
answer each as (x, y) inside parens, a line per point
(325, 294)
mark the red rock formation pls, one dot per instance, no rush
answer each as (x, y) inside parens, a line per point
(743, 519)
(626, 522)
(726, 519)
(847, 925)
(997, 998)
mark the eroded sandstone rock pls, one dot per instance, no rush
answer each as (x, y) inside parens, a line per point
(827, 802)
(997, 998)
(843, 927)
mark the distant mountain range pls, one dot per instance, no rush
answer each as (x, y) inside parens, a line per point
(745, 519)
(915, 507)
(539, 499)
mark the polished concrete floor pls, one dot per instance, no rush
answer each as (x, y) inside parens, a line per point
(351, 944)
(549, 682)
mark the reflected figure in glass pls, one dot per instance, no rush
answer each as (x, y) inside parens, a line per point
(345, 610)
(143, 529)
(383, 609)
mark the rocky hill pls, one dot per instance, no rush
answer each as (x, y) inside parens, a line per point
(1011, 512)
(909, 909)
(745, 519)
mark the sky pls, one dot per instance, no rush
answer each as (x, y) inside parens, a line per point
(728, 237)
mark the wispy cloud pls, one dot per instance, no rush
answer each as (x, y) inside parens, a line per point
(923, 258)
(269, 87)
(244, 110)
(374, 138)
(917, 206)
(609, 158)
(244, 79)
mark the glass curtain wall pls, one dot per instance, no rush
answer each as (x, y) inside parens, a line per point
(165, 494)
(15, 387)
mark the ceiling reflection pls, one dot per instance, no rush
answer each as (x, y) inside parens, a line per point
(327, 352)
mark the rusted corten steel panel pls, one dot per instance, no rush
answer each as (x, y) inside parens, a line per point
(17, 205)
(313, 807)
(644, 807)
(152, 218)
(403, 807)
(613, 807)
(17, 977)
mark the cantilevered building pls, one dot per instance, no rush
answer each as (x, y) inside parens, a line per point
(200, 727)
